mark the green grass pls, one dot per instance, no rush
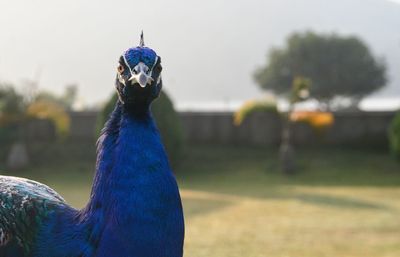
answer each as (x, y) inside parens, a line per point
(342, 202)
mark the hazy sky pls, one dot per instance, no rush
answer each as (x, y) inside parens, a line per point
(209, 48)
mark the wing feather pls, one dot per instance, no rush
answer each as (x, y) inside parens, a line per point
(24, 204)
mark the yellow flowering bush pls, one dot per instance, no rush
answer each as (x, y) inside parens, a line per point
(317, 120)
(43, 109)
(253, 106)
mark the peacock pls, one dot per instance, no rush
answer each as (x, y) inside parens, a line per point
(134, 209)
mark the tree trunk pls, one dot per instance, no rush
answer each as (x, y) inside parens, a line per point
(286, 151)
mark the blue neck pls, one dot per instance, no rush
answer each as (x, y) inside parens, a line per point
(135, 207)
(128, 148)
(134, 194)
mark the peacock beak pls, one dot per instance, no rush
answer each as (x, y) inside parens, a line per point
(142, 79)
(139, 75)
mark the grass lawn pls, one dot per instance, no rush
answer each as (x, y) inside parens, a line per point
(237, 204)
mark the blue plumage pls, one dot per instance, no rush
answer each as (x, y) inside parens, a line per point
(140, 54)
(134, 209)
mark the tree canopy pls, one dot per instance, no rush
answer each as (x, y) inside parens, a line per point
(16, 108)
(337, 66)
(11, 102)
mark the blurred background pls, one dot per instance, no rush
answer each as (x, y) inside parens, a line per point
(281, 118)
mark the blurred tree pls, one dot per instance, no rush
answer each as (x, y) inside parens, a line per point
(12, 112)
(394, 136)
(337, 66)
(16, 109)
(12, 104)
(300, 91)
(70, 96)
(42, 109)
(66, 100)
(12, 116)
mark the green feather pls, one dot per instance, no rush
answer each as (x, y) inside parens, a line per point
(24, 204)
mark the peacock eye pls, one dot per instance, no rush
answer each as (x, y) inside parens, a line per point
(158, 68)
(120, 68)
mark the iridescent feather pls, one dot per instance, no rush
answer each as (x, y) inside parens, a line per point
(24, 204)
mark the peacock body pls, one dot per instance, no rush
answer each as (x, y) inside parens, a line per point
(134, 209)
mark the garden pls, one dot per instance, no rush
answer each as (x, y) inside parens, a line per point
(237, 202)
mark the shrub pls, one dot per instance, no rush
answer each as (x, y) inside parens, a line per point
(52, 111)
(12, 113)
(167, 120)
(319, 121)
(394, 136)
(253, 106)
(16, 110)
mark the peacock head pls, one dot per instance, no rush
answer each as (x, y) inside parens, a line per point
(138, 79)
